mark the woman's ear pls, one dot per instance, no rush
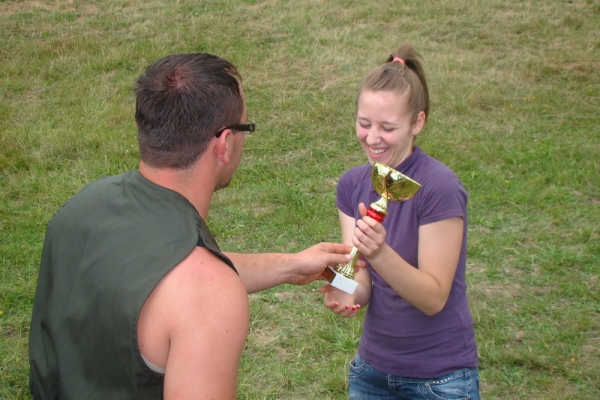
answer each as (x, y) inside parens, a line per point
(419, 123)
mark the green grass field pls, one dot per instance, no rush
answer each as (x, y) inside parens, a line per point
(515, 89)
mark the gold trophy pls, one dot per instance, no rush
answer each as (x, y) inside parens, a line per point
(391, 185)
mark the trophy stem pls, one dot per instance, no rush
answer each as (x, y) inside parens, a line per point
(378, 210)
(347, 269)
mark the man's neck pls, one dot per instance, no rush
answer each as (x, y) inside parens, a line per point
(197, 188)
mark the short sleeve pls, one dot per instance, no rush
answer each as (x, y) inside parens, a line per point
(344, 194)
(442, 197)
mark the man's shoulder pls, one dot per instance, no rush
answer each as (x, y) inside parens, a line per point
(203, 264)
(198, 290)
(96, 191)
(199, 298)
(200, 281)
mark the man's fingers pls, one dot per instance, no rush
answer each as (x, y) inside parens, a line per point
(337, 248)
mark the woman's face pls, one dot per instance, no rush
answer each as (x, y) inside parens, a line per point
(385, 128)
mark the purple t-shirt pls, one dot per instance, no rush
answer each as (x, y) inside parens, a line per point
(397, 338)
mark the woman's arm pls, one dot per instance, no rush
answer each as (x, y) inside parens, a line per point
(428, 287)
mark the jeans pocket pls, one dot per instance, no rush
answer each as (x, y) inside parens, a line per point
(451, 387)
(357, 367)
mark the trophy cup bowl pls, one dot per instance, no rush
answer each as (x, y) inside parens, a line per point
(391, 185)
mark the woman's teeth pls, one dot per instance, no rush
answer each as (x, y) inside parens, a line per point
(377, 151)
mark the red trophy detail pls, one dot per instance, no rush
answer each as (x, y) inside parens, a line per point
(391, 185)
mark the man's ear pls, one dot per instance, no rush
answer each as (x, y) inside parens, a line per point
(419, 123)
(221, 146)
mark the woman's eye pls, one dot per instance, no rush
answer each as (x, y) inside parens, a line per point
(364, 126)
(389, 129)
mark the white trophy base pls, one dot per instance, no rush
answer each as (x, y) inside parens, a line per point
(339, 281)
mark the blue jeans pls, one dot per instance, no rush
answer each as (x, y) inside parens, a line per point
(366, 383)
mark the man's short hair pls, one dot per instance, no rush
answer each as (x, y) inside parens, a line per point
(182, 101)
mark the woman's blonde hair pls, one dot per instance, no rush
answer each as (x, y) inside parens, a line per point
(402, 73)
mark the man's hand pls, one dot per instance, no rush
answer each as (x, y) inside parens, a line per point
(310, 263)
(262, 271)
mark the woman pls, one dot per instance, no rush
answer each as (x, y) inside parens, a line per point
(418, 339)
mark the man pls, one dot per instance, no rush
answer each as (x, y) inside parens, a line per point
(135, 298)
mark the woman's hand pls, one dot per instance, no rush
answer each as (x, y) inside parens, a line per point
(369, 235)
(340, 302)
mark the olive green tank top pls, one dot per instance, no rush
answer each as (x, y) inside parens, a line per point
(105, 251)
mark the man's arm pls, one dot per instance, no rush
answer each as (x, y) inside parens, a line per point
(265, 270)
(194, 324)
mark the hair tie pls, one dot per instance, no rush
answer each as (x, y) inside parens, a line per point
(401, 61)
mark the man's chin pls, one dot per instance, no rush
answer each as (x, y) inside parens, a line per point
(223, 186)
